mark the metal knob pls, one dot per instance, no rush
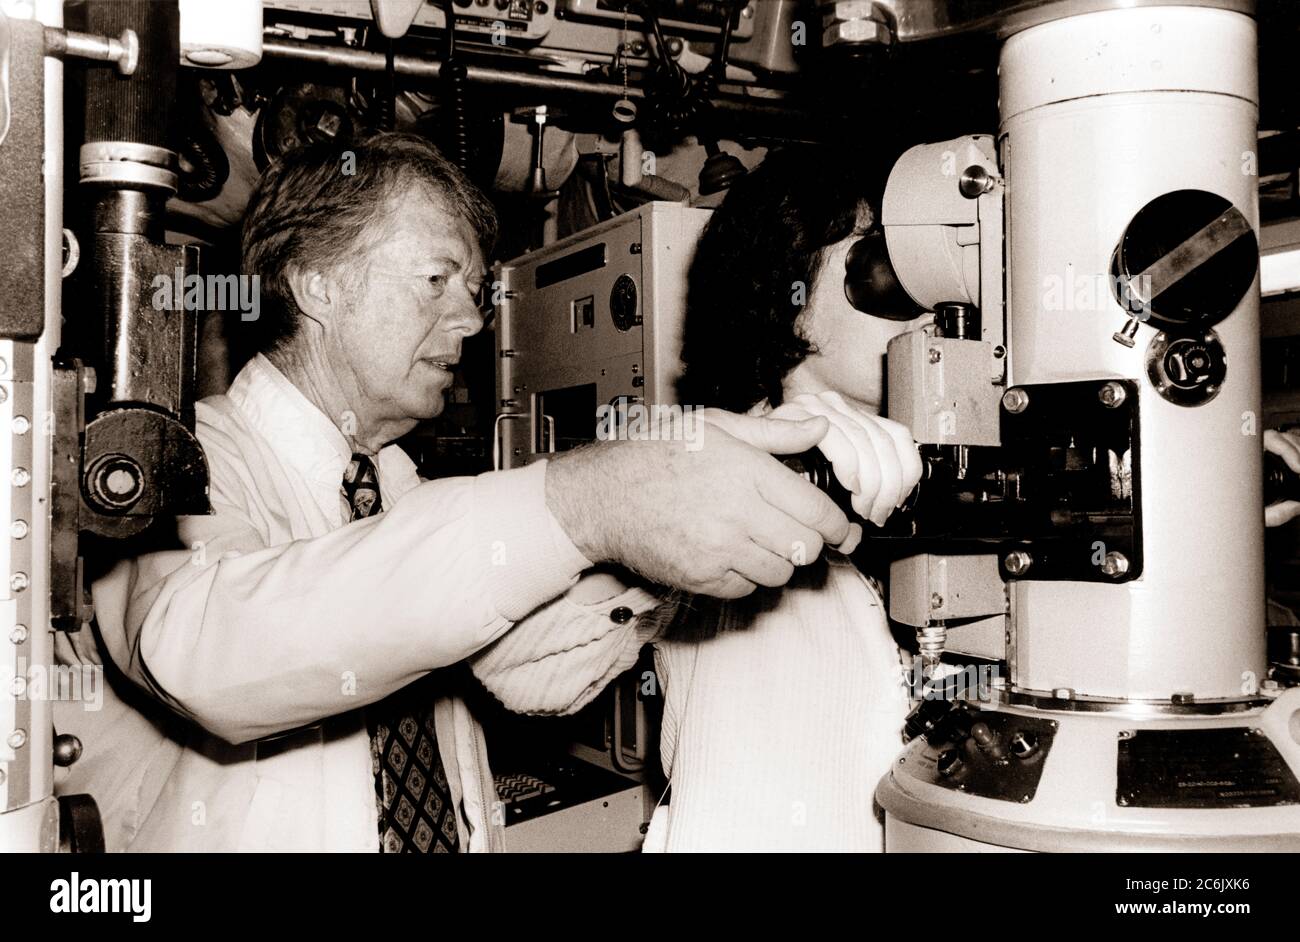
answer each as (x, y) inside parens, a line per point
(67, 750)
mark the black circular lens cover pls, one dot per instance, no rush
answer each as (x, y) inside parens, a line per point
(1195, 250)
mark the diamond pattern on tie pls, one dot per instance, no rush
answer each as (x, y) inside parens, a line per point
(415, 809)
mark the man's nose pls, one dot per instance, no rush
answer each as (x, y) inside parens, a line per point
(467, 318)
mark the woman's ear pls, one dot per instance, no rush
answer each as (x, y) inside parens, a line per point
(316, 294)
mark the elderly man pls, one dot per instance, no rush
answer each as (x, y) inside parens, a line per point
(282, 654)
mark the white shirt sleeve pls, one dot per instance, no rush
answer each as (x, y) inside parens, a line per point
(250, 640)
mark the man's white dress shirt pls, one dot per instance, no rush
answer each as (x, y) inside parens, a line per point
(255, 644)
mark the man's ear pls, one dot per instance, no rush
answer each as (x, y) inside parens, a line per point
(316, 294)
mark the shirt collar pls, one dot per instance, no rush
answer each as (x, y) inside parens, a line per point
(303, 436)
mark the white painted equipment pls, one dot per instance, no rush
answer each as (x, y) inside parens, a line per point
(1136, 715)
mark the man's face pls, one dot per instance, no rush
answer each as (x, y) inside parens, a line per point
(415, 301)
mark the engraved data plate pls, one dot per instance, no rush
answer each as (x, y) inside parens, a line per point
(1235, 767)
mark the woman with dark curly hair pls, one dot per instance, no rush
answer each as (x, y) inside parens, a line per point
(784, 709)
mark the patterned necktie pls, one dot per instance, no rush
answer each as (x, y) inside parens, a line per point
(415, 810)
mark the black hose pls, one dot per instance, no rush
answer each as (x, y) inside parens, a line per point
(209, 168)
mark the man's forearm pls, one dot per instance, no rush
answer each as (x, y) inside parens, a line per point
(257, 639)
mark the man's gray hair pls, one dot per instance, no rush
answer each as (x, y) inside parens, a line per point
(316, 205)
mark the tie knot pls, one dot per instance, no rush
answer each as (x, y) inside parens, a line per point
(361, 487)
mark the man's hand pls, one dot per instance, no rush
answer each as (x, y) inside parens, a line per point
(715, 515)
(875, 459)
(1285, 445)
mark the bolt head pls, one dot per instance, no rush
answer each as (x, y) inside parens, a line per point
(1115, 564)
(1015, 400)
(1017, 562)
(120, 482)
(855, 31)
(848, 10)
(1112, 395)
(328, 124)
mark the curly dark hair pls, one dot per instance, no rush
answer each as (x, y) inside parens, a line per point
(767, 239)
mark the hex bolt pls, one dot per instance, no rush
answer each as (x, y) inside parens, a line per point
(1015, 400)
(21, 477)
(935, 355)
(19, 581)
(17, 739)
(1017, 562)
